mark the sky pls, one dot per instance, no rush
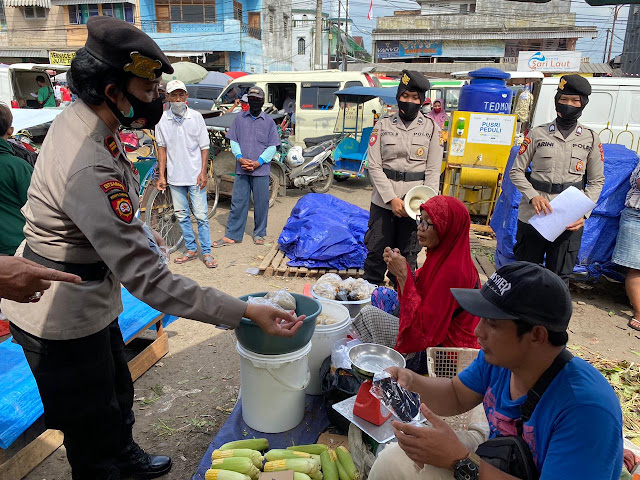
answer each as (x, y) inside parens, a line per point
(600, 17)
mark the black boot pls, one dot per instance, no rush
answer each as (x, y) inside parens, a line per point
(133, 461)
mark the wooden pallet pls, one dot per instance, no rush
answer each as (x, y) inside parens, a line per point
(275, 264)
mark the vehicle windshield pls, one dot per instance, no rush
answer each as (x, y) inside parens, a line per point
(233, 92)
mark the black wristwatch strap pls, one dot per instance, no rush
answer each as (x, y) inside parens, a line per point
(468, 468)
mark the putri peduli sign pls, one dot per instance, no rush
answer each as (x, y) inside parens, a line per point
(544, 61)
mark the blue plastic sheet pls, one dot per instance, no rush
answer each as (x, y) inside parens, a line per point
(315, 422)
(601, 228)
(325, 232)
(20, 404)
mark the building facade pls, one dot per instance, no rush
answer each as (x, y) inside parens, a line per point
(475, 30)
(253, 36)
(630, 62)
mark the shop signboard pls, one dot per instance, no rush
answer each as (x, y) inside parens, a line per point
(548, 61)
(408, 49)
(61, 58)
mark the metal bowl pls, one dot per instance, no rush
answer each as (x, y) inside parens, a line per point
(367, 359)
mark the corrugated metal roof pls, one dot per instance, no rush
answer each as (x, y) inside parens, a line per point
(28, 3)
(92, 2)
(447, 68)
(482, 35)
(18, 53)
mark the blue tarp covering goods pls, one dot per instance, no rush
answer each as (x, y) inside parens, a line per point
(601, 228)
(325, 232)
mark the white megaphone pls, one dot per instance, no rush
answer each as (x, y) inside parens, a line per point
(416, 197)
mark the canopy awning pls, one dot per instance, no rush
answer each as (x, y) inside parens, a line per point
(61, 3)
(23, 53)
(28, 3)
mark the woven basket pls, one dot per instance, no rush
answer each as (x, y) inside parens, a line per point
(447, 363)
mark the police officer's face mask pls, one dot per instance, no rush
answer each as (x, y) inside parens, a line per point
(141, 114)
(569, 114)
(408, 110)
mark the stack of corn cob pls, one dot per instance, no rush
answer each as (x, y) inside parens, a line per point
(242, 460)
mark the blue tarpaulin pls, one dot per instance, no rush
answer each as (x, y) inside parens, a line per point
(601, 228)
(325, 232)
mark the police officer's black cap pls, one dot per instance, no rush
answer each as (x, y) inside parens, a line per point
(520, 291)
(414, 82)
(125, 47)
(574, 85)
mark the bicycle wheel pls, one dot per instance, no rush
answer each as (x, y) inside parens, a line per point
(161, 217)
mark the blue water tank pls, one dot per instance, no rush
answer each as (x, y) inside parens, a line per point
(487, 92)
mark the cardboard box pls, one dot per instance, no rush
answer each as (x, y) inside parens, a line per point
(284, 475)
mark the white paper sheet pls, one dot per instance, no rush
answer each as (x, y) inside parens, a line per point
(568, 207)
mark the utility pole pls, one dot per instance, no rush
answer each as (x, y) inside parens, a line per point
(613, 29)
(329, 38)
(318, 39)
(339, 39)
(606, 43)
(346, 36)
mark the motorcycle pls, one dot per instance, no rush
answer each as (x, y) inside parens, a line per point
(301, 168)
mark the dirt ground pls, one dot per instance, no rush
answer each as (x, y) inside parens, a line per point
(184, 400)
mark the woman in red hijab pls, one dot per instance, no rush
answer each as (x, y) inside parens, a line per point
(429, 315)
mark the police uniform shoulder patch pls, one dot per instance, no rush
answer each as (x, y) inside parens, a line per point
(112, 185)
(122, 206)
(143, 67)
(524, 145)
(112, 146)
(374, 137)
(601, 152)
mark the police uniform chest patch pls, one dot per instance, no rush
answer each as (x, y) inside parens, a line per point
(552, 128)
(112, 146)
(420, 151)
(579, 166)
(579, 131)
(122, 206)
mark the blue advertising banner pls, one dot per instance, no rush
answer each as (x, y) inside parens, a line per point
(409, 49)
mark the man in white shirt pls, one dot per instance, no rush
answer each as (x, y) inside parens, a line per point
(183, 148)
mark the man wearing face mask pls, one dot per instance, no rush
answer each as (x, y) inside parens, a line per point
(80, 219)
(404, 151)
(183, 149)
(254, 139)
(562, 154)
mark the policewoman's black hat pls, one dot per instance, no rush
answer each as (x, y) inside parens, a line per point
(414, 82)
(574, 85)
(520, 291)
(125, 47)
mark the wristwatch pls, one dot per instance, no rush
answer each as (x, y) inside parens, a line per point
(468, 468)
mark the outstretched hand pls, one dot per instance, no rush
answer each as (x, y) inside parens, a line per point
(274, 321)
(437, 445)
(20, 279)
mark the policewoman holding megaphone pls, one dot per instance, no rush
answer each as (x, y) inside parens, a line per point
(404, 152)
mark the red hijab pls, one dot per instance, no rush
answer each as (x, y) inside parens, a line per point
(426, 304)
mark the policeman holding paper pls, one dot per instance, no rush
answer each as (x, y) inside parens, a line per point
(561, 154)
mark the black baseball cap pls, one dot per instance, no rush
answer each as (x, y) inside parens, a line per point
(521, 291)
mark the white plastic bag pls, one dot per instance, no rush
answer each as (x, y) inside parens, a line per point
(283, 299)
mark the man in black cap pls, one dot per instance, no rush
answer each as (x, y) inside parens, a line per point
(80, 219)
(572, 421)
(561, 154)
(404, 151)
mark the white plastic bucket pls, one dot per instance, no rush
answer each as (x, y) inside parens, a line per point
(272, 389)
(323, 339)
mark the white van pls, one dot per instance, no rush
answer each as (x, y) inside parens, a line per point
(316, 105)
(614, 101)
(18, 83)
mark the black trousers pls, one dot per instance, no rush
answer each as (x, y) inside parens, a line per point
(387, 230)
(87, 392)
(559, 256)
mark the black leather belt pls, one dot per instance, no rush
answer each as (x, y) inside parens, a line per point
(89, 272)
(553, 188)
(403, 176)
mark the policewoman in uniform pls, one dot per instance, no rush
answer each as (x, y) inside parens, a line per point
(561, 154)
(80, 219)
(404, 151)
